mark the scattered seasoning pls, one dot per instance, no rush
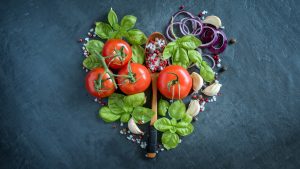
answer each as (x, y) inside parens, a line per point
(223, 69)
(181, 7)
(232, 41)
(114, 126)
(80, 40)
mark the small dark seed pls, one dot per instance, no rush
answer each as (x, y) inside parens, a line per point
(114, 126)
(232, 41)
(181, 7)
(223, 69)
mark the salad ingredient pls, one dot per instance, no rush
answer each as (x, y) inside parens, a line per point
(154, 49)
(99, 84)
(177, 110)
(107, 116)
(194, 108)
(138, 55)
(213, 20)
(197, 81)
(174, 82)
(170, 140)
(142, 115)
(232, 41)
(117, 53)
(91, 62)
(135, 100)
(94, 45)
(206, 72)
(163, 107)
(212, 89)
(220, 44)
(133, 127)
(138, 81)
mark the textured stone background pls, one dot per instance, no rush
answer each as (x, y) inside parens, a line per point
(48, 120)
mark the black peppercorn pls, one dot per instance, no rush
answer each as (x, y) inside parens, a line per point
(232, 41)
(223, 69)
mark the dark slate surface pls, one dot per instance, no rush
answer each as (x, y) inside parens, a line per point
(48, 120)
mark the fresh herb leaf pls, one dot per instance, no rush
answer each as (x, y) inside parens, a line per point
(194, 56)
(189, 42)
(128, 22)
(116, 104)
(94, 45)
(163, 106)
(125, 117)
(142, 114)
(138, 55)
(91, 62)
(186, 118)
(106, 114)
(206, 72)
(177, 110)
(170, 140)
(169, 50)
(136, 37)
(112, 17)
(163, 124)
(180, 57)
(135, 100)
(184, 129)
(103, 30)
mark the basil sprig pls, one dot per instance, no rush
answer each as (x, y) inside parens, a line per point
(178, 125)
(183, 53)
(123, 107)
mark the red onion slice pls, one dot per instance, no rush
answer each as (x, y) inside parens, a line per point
(208, 36)
(221, 43)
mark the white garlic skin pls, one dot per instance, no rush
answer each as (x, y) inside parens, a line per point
(194, 108)
(133, 127)
(212, 89)
(197, 81)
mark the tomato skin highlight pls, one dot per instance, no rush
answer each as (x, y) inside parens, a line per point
(167, 75)
(109, 50)
(108, 86)
(142, 76)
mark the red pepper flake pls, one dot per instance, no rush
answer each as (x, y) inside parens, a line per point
(194, 97)
(80, 40)
(200, 14)
(216, 57)
(206, 99)
(181, 7)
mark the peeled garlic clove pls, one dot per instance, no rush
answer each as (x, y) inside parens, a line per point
(194, 108)
(213, 20)
(213, 89)
(197, 81)
(133, 127)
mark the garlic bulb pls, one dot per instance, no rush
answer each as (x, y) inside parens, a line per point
(197, 81)
(194, 108)
(212, 89)
(133, 127)
(213, 20)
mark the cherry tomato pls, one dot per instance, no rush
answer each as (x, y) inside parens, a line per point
(174, 82)
(139, 83)
(97, 88)
(118, 53)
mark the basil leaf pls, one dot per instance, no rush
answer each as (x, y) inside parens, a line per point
(184, 65)
(103, 30)
(106, 114)
(170, 140)
(189, 42)
(194, 56)
(184, 129)
(186, 118)
(135, 99)
(173, 122)
(91, 62)
(138, 55)
(206, 72)
(163, 124)
(163, 106)
(94, 45)
(125, 117)
(136, 37)
(128, 22)
(112, 17)
(116, 104)
(169, 50)
(142, 114)
(116, 26)
(181, 57)
(177, 110)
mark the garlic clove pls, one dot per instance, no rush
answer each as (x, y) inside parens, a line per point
(197, 81)
(133, 127)
(194, 108)
(212, 89)
(213, 20)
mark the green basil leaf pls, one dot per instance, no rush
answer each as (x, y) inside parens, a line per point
(116, 104)
(163, 124)
(125, 117)
(186, 118)
(138, 55)
(177, 109)
(112, 17)
(184, 129)
(184, 65)
(91, 62)
(206, 72)
(136, 37)
(103, 30)
(116, 26)
(181, 56)
(128, 22)
(173, 122)
(106, 114)
(189, 42)
(94, 45)
(142, 114)
(163, 106)
(194, 56)
(170, 140)
(135, 99)
(169, 50)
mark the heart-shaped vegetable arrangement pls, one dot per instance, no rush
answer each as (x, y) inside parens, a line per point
(115, 56)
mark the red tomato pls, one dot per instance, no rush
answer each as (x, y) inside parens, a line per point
(105, 89)
(142, 79)
(118, 52)
(174, 79)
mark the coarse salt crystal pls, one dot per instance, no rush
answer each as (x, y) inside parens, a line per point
(121, 124)
(87, 39)
(91, 30)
